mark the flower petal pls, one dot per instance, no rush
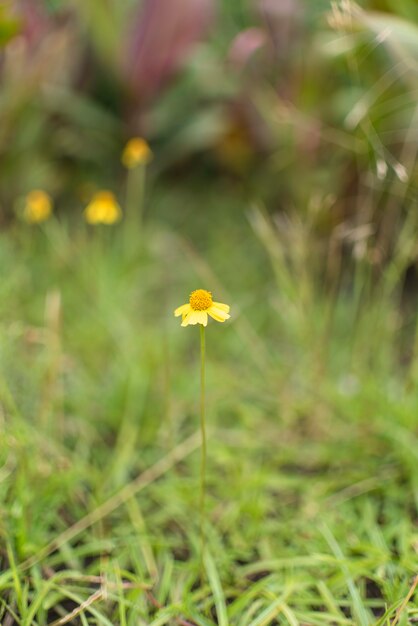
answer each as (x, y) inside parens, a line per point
(192, 317)
(218, 314)
(220, 305)
(182, 310)
(195, 317)
(203, 318)
(186, 318)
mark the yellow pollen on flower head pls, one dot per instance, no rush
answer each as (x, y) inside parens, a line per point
(200, 300)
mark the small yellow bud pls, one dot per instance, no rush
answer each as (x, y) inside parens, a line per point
(136, 152)
(103, 208)
(38, 206)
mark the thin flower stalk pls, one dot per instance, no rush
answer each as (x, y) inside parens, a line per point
(197, 311)
(135, 157)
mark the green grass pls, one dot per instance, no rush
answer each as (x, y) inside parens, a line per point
(311, 406)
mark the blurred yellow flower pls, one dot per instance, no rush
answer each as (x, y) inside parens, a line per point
(198, 308)
(38, 206)
(103, 208)
(136, 152)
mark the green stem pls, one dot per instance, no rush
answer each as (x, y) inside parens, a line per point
(135, 192)
(203, 433)
(134, 206)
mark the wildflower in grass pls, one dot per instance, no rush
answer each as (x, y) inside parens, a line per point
(135, 157)
(136, 152)
(38, 206)
(103, 208)
(198, 308)
(196, 311)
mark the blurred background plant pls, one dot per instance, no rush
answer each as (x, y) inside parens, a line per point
(307, 107)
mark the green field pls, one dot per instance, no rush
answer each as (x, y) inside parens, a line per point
(312, 482)
(286, 183)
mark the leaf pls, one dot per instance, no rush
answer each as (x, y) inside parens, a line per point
(398, 35)
(217, 591)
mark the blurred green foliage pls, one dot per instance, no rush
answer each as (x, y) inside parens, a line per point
(327, 98)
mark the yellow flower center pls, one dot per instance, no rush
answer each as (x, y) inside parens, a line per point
(200, 300)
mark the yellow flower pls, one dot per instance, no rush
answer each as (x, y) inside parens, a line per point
(198, 308)
(38, 206)
(103, 208)
(136, 152)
